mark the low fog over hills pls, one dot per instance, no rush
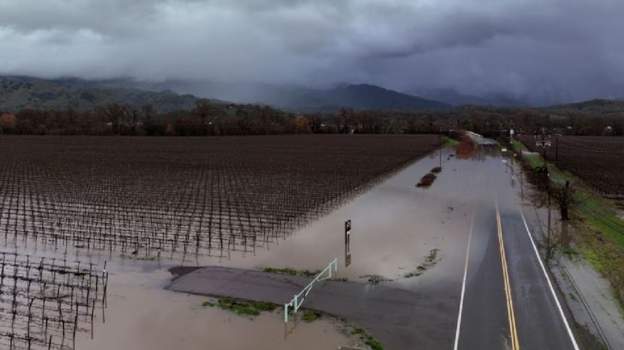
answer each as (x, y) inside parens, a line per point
(23, 92)
(501, 53)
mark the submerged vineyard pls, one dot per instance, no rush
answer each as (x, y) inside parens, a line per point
(153, 196)
(597, 160)
(44, 302)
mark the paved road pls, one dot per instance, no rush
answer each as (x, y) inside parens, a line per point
(484, 314)
(508, 301)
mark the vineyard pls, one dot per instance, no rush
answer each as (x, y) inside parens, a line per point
(599, 161)
(152, 196)
(44, 302)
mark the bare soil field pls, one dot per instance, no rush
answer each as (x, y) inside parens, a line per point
(598, 160)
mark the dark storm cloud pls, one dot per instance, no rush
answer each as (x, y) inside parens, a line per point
(542, 49)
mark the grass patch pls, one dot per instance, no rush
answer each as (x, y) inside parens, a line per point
(368, 339)
(533, 160)
(570, 252)
(430, 261)
(449, 142)
(291, 272)
(518, 146)
(419, 271)
(375, 279)
(310, 316)
(241, 307)
(373, 343)
(599, 215)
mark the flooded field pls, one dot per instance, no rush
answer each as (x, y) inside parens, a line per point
(141, 314)
(402, 236)
(211, 196)
(132, 208)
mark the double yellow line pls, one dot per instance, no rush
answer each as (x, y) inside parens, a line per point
(515, 344)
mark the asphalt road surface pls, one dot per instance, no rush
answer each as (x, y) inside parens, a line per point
(508, 301)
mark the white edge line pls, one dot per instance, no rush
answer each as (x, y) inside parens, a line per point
(552, 290)
(463, 290)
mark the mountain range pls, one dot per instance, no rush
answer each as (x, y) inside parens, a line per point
(296, 98)
(17, 92)
(25, 92)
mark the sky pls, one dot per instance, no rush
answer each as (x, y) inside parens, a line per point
(543, 50)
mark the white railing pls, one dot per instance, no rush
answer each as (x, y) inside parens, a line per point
(327, 273)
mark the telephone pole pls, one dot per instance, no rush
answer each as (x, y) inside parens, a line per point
(440, 141)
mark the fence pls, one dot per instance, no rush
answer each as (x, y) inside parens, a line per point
(296, 302)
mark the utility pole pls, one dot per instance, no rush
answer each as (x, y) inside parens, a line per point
(544, 154)
(440, 142)
(521, 184)
(549, 228)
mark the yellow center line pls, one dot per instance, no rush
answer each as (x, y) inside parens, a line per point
(515, 344)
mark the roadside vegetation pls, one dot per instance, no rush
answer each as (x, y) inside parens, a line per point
(430, 261)
(599, 237)
(251, 309)
(368, 339)
(241, 307)
(291, 272)
(449, 142)
(310, 315)
(375, 279)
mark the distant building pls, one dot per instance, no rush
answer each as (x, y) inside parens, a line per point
(8, 121)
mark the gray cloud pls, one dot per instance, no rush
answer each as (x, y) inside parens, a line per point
(541, 49)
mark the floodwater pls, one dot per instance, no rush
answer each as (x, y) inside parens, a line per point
(143, 315)
(395, 225)
(397, 230)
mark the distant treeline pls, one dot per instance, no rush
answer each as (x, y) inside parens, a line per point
(210, 118)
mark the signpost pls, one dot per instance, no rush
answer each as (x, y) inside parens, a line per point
(347, 243)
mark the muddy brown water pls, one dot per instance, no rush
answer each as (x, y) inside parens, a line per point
(395, 227)
(142, 315)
